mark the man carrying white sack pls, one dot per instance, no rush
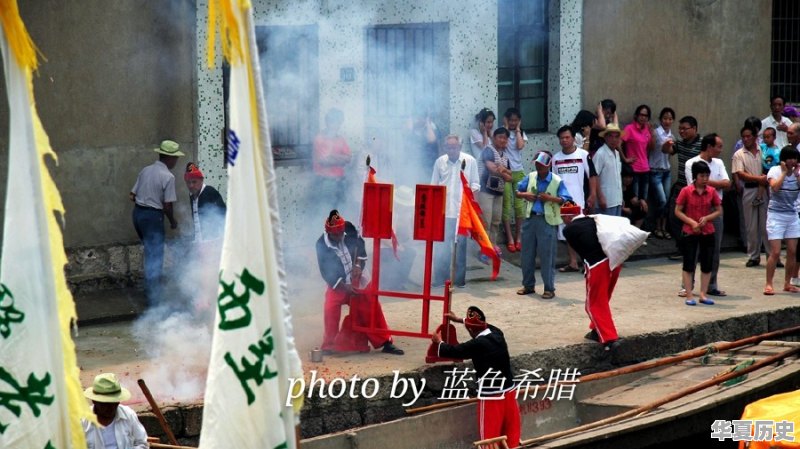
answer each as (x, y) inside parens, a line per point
(603, 242)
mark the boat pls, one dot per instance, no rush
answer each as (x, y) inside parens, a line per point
(655, 401)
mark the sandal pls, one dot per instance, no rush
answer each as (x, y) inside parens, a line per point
(658, 233)
(667, 235)
(568, 269)
(526, 291)
(716, 292)
(791, 289)
(769, 291)
(682, 293)
(691, 302)
(519, 245)
(548, 295)
(706, 301)
(511, 247)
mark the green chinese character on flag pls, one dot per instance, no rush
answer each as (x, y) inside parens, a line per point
(32, 395)
(228, 302)
(8, 314)
(257, 371)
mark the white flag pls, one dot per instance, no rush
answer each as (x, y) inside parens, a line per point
(41, 400)
(253, 354)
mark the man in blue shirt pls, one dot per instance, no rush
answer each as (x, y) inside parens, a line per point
(544, 194)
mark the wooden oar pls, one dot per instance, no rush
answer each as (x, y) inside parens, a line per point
(157, 412)
(643, 365)
(669, 398)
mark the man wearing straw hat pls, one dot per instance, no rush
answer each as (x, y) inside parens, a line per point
(153, 196)
(119, 426)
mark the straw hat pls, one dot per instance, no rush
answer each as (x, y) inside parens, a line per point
(169, 148)
(611, 128)
(106, 388)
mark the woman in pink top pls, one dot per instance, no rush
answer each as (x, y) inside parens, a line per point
(638, 139)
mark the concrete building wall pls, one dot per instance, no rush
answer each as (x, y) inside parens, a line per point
(341, 28)
(118, 78)
(472, 39)
(709, 59)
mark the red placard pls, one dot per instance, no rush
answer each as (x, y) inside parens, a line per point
(377, 210)
(429, 213)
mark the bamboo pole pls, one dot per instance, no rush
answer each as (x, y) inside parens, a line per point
(168, 446)
(157, 412)
(694, 353)
(666, 399)
(690, 354)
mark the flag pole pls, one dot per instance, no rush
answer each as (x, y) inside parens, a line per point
(455, 242)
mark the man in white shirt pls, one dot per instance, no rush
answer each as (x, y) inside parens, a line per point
(119, 426)
(573, 166)
(447, 172)
(777, 120)
(710, 150)
(608, 164)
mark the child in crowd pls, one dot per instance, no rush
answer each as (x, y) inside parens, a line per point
(633, 207)
(770, 153)
(698, 204)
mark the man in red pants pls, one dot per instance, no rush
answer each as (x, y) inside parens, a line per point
(498, 412)
(581, 234)
(341, 256)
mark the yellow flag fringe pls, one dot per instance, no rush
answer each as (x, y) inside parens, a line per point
(17, 35)
(21, 44)
(230, 38)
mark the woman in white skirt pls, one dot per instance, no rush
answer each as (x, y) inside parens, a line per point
(782, 219)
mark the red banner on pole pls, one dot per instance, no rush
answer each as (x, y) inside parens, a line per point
(429, 213)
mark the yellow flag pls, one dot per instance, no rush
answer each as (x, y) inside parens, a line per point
(253, 353)
(41, 399)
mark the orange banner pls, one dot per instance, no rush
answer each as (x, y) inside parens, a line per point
(470, 224)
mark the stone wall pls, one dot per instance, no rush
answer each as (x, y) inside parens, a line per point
(325, 416)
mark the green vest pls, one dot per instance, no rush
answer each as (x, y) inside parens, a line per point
(552, 211)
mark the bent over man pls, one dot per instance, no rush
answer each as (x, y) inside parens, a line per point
(498, 412)
(601, 278)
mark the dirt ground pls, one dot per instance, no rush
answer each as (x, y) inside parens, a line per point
(645, 301)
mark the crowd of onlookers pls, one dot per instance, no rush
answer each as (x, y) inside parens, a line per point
(606, 167)
(627, 170)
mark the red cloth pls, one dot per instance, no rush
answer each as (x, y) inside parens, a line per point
(335, 225)
(697, 205)
(600, 283)
(324, 148)
(347, 339)
(498, 417)
(192, 172)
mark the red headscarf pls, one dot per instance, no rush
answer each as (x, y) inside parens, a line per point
(334, 224)
(475, 319)
(192, 172)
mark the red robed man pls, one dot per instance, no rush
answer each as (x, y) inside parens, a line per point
(341, 255)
